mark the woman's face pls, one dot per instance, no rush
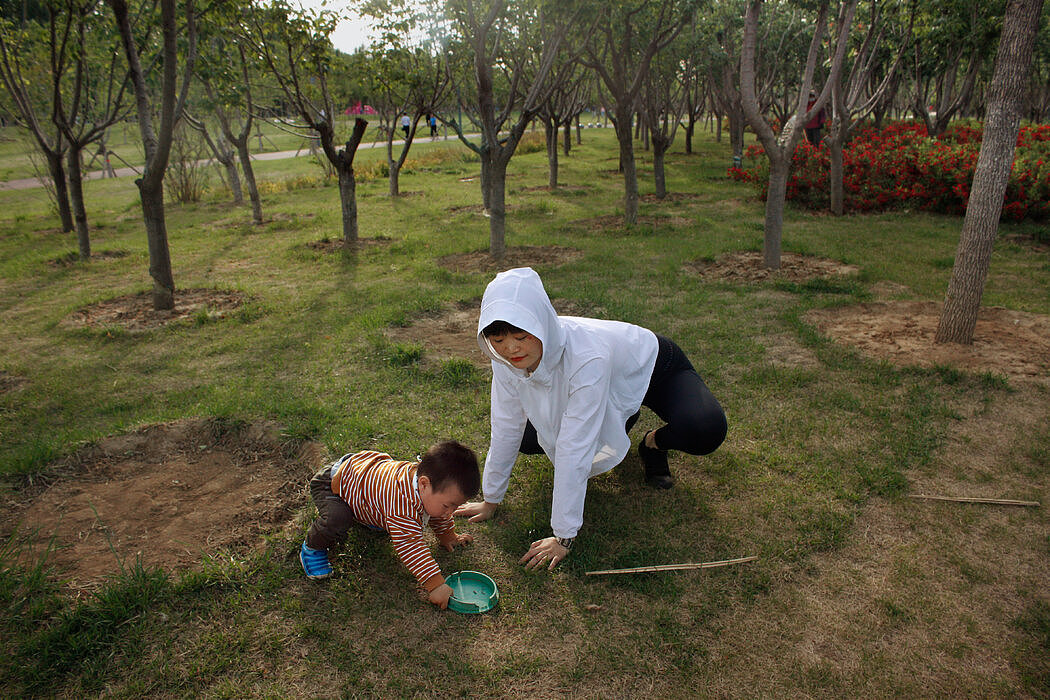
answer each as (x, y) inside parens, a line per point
(521, 349)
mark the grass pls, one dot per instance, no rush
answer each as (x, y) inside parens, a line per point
(811, 478)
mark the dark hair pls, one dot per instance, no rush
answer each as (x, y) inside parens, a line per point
(451, 462)
(500, 328)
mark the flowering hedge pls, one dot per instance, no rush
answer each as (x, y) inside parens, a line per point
(899, 166)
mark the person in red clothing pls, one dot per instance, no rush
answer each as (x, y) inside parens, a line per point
(814, 125)
(399, 497)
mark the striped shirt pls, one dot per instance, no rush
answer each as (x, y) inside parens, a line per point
(382, 493)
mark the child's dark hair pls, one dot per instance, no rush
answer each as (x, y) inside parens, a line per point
(500, 328)
(451, 462)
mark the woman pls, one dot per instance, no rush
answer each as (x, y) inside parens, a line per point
(571, 388)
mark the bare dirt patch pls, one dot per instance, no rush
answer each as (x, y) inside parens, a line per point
(747, 266)
(10, 382)
(1012, 343)
(614, 223)
(70, 259)
(453, 333)
(519, 256)
(338, 245)
(671, 197)
(171, 494)
(135, 312)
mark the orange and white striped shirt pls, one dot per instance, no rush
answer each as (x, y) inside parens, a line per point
(382, 493)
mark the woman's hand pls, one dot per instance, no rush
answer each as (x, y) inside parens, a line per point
(475, 512)
(546, 551)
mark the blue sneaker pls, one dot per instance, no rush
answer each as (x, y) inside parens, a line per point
(315, 563)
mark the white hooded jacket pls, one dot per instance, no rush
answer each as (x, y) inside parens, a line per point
(591, 378)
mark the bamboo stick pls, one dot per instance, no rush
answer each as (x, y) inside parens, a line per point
(673, 567)
(987, 501)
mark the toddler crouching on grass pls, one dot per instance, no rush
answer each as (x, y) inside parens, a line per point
(381, 493)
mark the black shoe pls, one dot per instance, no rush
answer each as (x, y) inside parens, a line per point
(657, 473)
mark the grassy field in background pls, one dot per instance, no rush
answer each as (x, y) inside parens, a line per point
(856, 593)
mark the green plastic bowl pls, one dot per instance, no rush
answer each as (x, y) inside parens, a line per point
(472, 592)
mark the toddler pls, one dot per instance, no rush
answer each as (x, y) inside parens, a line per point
(399, 497)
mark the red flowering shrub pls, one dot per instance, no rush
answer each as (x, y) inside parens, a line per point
(899, 166)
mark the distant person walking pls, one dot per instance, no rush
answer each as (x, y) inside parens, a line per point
(406, 125)
(814, 125)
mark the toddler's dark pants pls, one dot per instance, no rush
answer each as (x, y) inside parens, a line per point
(334, 515)
(696, 423)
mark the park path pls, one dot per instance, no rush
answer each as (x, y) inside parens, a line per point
(31, 182)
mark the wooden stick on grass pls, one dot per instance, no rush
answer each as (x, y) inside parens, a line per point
(673, 567)
(987, 501)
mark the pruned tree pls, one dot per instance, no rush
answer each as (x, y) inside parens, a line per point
(953, 41)
(564, 102)
(297, 53)
(522, 38)
(90, 82)
(156, 140)
(662, 104)
(873, 67)
(629, 34)
(23, 71)
(1006, 106)
(780, 147)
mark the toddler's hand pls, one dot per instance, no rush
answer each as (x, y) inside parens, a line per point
(456, 539)
(440, 595)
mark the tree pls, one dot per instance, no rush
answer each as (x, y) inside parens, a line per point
(780, 147)
(1006, 106)
(564, 102)
(661, 105)
(89, 86)
(23, 71)
(523, 39)
(953, 39)
(295, 48)
(228, 73)
(855, 97)
(628, 36)
(157, 141)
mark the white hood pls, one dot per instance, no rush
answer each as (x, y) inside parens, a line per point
(517, 297)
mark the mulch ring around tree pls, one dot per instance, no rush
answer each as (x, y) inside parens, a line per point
(73, 258)
(748, 266)
(135, 312)
(518, 256)
(338, 245)
(170, 495)
(1015, 344)
(670, 197)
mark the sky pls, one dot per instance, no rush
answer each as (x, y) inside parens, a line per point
(349, 35)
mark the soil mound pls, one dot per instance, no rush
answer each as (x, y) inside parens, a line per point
(170, 494)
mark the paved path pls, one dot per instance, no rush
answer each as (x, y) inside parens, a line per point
(31, 182)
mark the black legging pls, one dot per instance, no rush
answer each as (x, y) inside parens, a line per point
(696, 423)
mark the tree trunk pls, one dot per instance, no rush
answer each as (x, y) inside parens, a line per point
(151, 192)
(249, 179)
(630, 172)
(58, 178)
(550, 129)
(395, 171)
(1006, 96)
(76, 196)
(486, 178)
(779, 168)
(497, 210)
(689, 128)
(348, 201)
(660, 147)
(837, 135)
(567, 137)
